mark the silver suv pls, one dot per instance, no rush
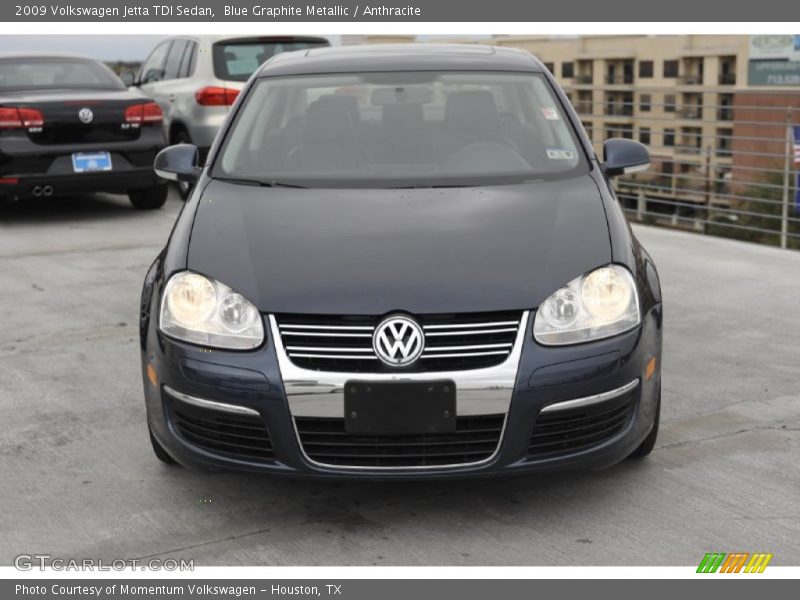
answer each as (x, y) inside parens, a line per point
(195, 80)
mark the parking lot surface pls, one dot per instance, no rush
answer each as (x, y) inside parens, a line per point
(79, 479)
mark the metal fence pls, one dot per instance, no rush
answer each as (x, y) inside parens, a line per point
(720, 169)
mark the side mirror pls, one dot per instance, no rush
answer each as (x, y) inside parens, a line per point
(178, 163)
(621, 156)
(128, 78)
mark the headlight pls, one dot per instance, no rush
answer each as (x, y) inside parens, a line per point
(202, 311)
(597, 305)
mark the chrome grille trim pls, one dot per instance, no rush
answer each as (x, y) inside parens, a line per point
(336, 467)
(590, 400)
(465, 325)
(465, 354)
(475, 343)
(336, 356)
(471, 332)
(236, 409)
(327, 327)
(481, 391)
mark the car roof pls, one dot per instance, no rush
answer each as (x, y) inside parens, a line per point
(400, 57)
(216, 37)
(50, 55)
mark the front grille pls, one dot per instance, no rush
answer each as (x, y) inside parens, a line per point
(234, 436)
(453, 342)
(325, 441)
(572, 430)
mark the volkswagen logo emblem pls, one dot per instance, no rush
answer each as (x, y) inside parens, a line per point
(85, 115)
(398, 341)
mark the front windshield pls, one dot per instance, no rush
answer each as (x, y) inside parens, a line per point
(403, 129)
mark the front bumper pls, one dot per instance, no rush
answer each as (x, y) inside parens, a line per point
(609, 375)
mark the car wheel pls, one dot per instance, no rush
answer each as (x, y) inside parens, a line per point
(149, 198)
(159, 451)
(646, 447)
(184, 187)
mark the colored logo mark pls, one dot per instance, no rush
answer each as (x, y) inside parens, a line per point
(735, 562)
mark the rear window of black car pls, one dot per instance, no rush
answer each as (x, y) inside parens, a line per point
(47, 73)
(236, 60)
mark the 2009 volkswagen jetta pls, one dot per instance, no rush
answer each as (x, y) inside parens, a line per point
(402, 261)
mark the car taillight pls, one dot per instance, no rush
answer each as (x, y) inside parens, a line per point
(144, 113)
(215, 96)
(17, 118)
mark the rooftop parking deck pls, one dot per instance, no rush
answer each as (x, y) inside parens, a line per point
(79, 478)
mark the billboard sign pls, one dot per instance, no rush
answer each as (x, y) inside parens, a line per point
(774, 60)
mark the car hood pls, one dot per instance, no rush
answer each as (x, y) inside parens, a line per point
(437, 250)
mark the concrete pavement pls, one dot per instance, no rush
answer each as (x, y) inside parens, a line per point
(79, 479)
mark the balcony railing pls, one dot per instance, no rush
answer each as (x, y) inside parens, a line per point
(688, 149)
(622, 110)
(691, 79)
(692, 112)
(727, 78)
(584, 107)
(619, 79)
(725, 113)
(584, 78)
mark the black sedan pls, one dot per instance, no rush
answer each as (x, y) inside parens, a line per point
(402, 262)
(68, 125)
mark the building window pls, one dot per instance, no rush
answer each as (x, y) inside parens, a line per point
(725, 110)
(567, 70)
(645, 68)
(645, 101)
(584, 105)
(669, 137)
(588, 128)
(669, 103)
(670, 68)
(550, 67)
(644, 135)
(727, 70)
(724, 142)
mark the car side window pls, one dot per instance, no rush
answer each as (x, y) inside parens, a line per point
(174, 59)
(153, 67)
(187, 63)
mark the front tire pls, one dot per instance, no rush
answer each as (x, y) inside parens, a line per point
(646, 447)
(159, 451)
(149, 198)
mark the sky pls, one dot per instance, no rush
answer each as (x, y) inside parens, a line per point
(107, 47)
(100, 47)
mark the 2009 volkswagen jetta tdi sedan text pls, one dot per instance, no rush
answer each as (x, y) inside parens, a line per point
(402, 261)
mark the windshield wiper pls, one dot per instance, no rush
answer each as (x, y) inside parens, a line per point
(283, 184)
(238, 181)
(259, 182)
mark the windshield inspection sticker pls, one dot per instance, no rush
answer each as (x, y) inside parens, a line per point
(550, 113)
(556, 154)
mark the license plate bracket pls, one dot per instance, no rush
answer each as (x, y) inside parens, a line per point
(402, 407)
(90, 162)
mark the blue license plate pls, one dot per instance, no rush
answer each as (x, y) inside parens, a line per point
(86, 162)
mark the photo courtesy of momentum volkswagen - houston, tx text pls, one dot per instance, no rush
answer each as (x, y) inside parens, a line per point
(402, 261)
